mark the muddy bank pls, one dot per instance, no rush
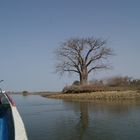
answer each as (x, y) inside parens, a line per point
(107, 95)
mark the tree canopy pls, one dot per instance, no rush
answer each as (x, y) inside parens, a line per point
(82, 56)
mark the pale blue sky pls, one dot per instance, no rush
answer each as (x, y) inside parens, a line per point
(30, 30)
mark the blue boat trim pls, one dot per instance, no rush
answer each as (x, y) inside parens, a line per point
(11, 124)
(6, 123)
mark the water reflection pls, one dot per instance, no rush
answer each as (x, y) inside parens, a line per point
(83, 120)
(79, 120)
(105, 119)
(111, 106)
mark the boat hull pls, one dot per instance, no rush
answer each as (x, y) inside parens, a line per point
(11, 124)
(6, 123)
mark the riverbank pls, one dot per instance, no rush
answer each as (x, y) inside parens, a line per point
(106, 95)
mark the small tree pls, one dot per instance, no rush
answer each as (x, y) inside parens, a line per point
(82, 56)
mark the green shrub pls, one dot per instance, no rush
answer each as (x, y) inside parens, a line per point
(24, 93)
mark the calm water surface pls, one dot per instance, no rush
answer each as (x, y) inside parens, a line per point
(51, 119)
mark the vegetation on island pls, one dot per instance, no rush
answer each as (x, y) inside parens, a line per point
(116, 83)
(84, 56)
(114, 88)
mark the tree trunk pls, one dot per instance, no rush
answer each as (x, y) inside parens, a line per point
(84, 77)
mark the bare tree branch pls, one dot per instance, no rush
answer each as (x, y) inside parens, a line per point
(82, 56)
(98, 67)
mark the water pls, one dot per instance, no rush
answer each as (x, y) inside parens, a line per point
(51, 119)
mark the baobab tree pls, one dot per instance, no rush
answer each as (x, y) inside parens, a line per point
(82, 56)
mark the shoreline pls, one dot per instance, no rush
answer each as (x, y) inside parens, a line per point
(106, 95)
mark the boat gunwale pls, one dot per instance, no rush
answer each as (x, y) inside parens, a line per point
(19, 128)
(8, 119)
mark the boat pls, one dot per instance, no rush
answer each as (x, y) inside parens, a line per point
(11, 124)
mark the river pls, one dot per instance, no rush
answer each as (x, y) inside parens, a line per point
(53, 119)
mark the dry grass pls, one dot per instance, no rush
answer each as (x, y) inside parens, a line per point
(106, 95)
(97, 88)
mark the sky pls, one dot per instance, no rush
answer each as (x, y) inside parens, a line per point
(31, 30)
